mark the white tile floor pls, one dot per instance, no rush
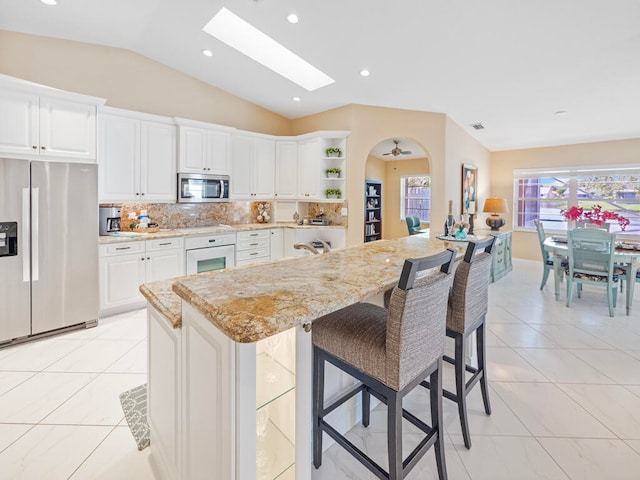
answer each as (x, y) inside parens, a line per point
(564, 386)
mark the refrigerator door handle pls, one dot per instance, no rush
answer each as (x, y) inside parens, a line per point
(26, 274)
(35, 223)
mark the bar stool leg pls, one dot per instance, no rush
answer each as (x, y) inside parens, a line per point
(394, 435)
(318, 405)
(484, 383)
(366, 407)
(435, 396)
(461, 393)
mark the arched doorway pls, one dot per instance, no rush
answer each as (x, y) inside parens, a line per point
(398, 163)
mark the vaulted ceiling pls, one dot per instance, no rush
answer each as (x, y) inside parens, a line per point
(510, 65)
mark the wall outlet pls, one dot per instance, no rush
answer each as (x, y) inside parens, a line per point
(344, 212)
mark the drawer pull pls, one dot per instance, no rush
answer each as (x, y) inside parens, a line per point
(254, 253)
(123, 248)
(213, 240)
(163, 244)
(254, 244)
(254, 234)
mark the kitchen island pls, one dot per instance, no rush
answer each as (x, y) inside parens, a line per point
(230, 373)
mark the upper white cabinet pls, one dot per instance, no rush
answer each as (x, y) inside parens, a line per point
(286, 186)
(252, 167)
(37, 125)
(137, 158)
(309, 169)
(202, 150)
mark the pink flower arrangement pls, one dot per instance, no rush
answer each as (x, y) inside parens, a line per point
(595, 215)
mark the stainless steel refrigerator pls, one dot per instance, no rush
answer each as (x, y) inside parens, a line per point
(48, 247)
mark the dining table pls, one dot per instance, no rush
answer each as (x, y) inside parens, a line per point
(625, 253)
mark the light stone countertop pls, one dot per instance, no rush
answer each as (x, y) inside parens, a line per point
(194, 231)
(256, 301)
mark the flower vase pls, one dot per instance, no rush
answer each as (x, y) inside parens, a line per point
(461, 234)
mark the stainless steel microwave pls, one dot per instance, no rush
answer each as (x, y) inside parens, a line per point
(197, 188)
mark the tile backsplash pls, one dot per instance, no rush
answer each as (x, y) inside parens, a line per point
(187, 215)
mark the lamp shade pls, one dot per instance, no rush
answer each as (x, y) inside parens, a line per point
(495, 205)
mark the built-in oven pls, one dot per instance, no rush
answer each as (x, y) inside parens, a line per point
(197, 188)
(210, 252)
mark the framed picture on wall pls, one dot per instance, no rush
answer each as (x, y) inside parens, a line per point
(469, 188)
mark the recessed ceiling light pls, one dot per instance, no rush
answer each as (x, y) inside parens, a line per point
(296, 99)
(292, 18)
(49, 2)
(235, 32)
(207, 53)
(364, 72)
(560, 113)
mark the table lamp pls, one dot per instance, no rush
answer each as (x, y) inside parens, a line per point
(494, 206)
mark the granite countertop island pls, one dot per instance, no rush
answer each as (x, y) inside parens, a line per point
(251, 303)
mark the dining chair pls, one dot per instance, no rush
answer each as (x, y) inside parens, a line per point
(547, 261)
(413, 224)
(591, 253)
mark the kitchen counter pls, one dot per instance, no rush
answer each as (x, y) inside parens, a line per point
(250, 303)
(188, 232)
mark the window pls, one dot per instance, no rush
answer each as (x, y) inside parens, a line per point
(541, 195)
(415, 197)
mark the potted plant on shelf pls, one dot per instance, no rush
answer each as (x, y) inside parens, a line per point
(333, 172)
(333, 152)
(333, 193)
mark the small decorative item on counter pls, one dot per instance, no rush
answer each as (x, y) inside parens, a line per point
(143, 219)
(296, 217)
(263, 212)
(333, 152)
(133, 216)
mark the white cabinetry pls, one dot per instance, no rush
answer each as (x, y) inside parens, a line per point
(125, 266)
(253, 167)
(286, 170)
(277, 243)
(35, 125)
(309, 169)
(137, 161)
(253, 246)
(203, 150)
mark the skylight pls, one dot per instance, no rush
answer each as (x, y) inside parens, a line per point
(235, 32)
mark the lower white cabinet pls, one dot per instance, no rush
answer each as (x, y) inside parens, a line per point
(276, 246)
(253, 247)
(165, 394)
(127, 265)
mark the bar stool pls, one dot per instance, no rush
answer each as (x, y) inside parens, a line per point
(390, 352)
(466, 314)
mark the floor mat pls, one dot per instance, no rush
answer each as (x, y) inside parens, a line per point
(134, 405)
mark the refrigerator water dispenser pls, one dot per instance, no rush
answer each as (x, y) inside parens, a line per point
(8, 239)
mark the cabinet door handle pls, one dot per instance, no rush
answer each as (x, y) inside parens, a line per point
(137, 194)
(148, 258)
(142, 259)
(307, 327)
(34, 147)
(142, 194)
(43, 148)
(123, 248)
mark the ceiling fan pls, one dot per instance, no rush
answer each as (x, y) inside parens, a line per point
(397, 150)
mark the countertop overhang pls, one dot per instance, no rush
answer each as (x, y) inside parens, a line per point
(254, 302)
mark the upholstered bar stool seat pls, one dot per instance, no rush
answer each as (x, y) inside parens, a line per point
(390, 352)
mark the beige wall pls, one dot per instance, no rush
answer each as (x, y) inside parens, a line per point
(525, 244)
(369, 126)
(394, 226)
(462, 148)
(129, 80)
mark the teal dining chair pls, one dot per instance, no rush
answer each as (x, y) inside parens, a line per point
(413, 225)
(591, 263)
(547, 261)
